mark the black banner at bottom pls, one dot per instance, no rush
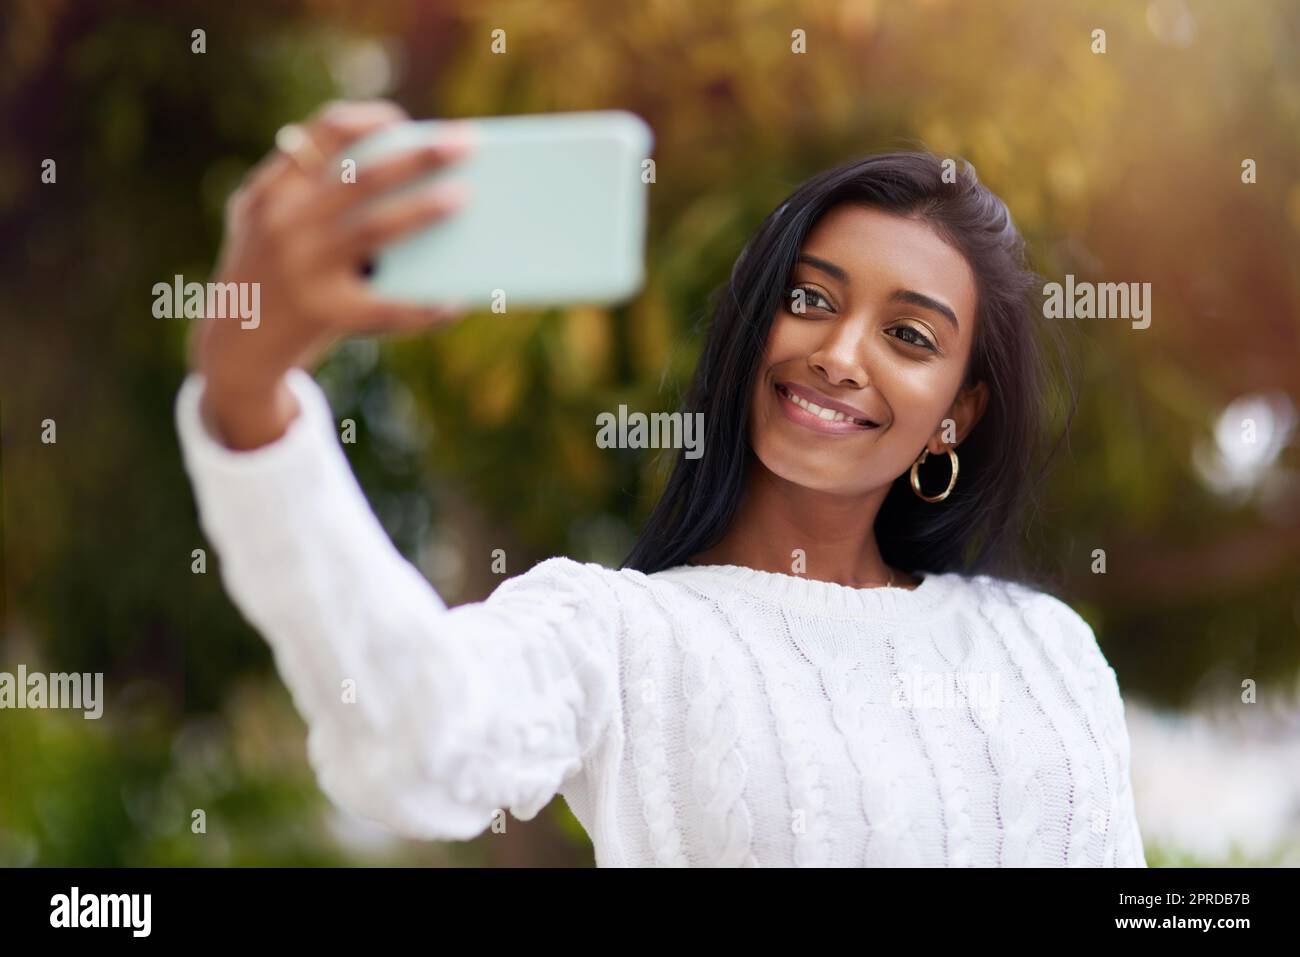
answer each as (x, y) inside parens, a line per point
(338, 906)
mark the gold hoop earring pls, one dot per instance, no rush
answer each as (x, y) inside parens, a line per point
(916, 480)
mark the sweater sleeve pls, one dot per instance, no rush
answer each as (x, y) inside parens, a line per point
(425, 718)
(1126, 837)
(1123, 837)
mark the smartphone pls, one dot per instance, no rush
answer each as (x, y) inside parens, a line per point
(556, 213)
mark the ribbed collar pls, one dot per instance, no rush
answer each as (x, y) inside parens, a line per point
(930, 598)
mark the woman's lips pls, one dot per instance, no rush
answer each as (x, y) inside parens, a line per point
(797, 410)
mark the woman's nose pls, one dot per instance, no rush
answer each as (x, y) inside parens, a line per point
(839, 357)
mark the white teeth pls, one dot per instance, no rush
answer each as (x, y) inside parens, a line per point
(830, 415)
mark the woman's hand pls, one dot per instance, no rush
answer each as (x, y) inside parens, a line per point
(304, 235)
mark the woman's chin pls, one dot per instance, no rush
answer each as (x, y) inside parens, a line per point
(804, 472)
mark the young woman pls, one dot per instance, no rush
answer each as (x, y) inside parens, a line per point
(806, 660)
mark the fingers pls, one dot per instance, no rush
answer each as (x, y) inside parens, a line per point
(394, 218)
(383, 316)
(328, 131)
(343, 122)
(383, 175)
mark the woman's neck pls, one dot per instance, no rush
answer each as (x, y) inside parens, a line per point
(793, 530)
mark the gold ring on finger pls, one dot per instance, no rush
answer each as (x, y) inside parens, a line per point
(296, 143)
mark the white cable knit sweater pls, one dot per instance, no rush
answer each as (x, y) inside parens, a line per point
(710, 715)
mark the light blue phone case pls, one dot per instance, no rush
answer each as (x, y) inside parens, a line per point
(556, 213)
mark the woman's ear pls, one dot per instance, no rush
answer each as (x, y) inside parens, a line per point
(966, 411)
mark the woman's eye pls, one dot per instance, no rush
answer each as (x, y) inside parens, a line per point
(917, 338)
(802, 298)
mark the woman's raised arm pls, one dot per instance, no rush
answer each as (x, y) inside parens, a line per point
(424, 718)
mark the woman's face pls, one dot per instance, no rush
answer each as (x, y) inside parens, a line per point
(877, 324)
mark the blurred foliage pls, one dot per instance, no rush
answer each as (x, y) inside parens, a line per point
(1121, 167)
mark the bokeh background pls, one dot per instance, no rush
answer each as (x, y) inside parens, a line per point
(1124, 166)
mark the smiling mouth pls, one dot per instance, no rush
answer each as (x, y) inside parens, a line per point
(826, 415)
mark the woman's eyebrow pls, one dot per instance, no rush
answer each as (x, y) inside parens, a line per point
(920, 299)
(827, 267)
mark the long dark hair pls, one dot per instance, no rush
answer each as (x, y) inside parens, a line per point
(978, 529)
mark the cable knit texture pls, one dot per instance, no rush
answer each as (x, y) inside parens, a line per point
(701, 716)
